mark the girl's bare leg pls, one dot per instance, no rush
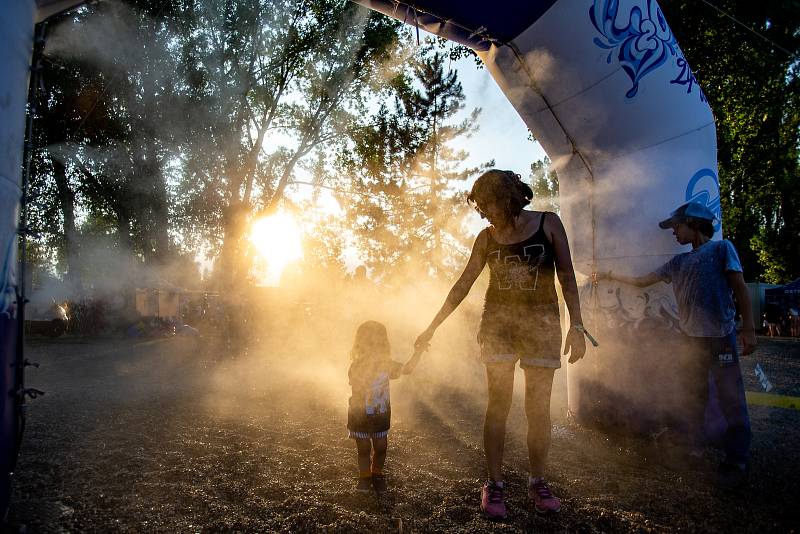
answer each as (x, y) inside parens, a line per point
(364, 447)
(538, 386)
(379, 446)
(500, 381)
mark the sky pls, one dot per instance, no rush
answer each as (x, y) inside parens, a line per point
(502, 134)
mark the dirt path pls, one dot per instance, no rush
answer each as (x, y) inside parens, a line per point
(137, 438)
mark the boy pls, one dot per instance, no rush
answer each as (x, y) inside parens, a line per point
(704, 281)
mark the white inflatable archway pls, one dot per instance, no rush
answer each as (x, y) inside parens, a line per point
(604, 87)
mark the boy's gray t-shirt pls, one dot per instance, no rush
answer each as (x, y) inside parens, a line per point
(705, 300)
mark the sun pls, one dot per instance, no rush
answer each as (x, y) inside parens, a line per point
(278, 241)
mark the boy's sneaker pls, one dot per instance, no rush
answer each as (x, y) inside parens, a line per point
(379, 483)
(364, 484)
(493, 500)
(731, 475)
(542, 498)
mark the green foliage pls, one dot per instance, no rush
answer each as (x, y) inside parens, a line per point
(402, 203)
(753, 87)
(276, 80)
(178, 120)
(544, 183)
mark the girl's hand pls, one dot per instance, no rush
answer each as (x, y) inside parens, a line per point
(409, 366)
(575, 345)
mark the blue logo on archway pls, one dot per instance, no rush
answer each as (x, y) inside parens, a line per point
(704, 188)
(641, 40)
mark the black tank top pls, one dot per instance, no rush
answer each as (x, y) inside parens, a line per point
(522, 276)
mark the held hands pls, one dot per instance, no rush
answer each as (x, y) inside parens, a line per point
(421, 345)
(423, 340)
(575, 345)
(409, 366)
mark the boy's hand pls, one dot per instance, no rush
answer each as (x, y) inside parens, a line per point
(748, 341)
(603, 275)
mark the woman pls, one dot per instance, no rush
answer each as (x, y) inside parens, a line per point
(524, 250)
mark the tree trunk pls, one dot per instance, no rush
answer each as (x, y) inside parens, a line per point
(66, 198)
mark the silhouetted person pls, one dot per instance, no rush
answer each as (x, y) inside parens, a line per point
(369, 411)
(524, 250)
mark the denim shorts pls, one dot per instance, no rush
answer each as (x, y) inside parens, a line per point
(536, 343)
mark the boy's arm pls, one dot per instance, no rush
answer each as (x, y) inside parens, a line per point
(639, 281)
(739, 288)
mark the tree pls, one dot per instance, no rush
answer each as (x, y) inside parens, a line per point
(404, 206)
(544, 183)
(267, 71)
(105, 132)
(179, 120)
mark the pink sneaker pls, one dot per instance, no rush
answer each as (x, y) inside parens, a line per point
(493, 501)
(543, 500)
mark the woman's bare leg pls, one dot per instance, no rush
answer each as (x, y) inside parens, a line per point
(538, 387)
(500, 381)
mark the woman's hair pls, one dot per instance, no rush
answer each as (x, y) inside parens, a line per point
(371, 341)
(504, 187)
(704, 226)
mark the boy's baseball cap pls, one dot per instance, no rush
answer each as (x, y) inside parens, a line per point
(693, 210)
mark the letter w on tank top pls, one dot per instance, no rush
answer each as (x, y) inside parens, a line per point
(521, 274)
(518, 272)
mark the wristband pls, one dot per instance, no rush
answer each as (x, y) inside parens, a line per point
(579, 328)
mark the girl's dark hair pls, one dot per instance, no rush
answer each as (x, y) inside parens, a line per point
(504, 187)
(371, 341)
(704, 226)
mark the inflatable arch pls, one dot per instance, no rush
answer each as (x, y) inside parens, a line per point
(605, 88)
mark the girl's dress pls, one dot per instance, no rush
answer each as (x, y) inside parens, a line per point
(369, 412)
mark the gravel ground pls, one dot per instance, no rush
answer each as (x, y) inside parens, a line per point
(161, 436)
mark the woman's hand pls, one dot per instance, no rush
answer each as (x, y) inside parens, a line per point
(575, 345)
(424, 340)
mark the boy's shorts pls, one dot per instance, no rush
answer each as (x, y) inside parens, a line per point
(537, 343)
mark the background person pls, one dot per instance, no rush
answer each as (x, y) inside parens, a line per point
(772, 316)
(524, 250)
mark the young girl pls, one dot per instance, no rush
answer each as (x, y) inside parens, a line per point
(369, 412)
